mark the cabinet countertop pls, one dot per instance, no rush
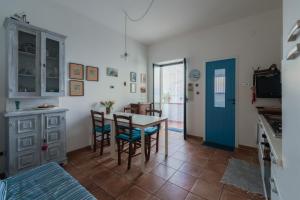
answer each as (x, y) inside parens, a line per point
(33, 112)
(275, 143)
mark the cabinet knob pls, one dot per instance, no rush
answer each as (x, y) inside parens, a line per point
(44, 65)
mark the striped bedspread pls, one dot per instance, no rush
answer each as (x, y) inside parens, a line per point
(48, 181)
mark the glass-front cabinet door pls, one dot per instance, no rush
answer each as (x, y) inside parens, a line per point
(27, 63)
(52, 65)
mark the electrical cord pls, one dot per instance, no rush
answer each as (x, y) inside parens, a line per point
(142, 16)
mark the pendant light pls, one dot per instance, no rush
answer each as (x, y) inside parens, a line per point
(125, 55)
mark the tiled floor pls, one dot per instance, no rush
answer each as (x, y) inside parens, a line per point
(191, 172)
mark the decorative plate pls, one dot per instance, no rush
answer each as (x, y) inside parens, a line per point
(194, 75)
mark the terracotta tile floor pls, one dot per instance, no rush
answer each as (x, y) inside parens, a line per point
(192, 172)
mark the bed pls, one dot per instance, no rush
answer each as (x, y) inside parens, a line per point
(49, 181)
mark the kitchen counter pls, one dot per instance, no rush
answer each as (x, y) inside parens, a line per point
(275, 143)
(33, 111)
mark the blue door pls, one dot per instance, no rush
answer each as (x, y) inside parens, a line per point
(220, 103)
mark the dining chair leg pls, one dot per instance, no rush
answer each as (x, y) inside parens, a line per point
(146, 147)
(119, 152)
(134, 147)
(94, 145)
(129, 155)
(157, 141)
(108, 139)
(102, 144)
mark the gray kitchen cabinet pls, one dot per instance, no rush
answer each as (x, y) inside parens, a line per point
(26, 136)
(35, 61)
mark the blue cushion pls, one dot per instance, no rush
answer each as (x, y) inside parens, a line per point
(136, 135)
(151, 130)
(2, 190)
(106, 128)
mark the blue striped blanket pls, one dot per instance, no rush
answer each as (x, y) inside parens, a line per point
(48, 181)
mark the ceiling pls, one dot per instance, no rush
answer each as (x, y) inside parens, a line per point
(167, 17)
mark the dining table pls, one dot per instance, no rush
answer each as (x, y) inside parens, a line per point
(138, 121)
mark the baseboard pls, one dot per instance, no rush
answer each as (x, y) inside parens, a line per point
(194, 137)
(244, 147)
(70, 153)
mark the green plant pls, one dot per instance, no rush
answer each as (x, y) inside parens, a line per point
(107, 104)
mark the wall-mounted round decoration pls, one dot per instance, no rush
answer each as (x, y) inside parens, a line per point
(194, 75)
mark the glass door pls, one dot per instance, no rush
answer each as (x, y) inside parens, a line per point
(169, 92)
(52, 75)
(27, 63)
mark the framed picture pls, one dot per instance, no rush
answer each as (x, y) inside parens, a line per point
(132, 88)
(112, 72)
(143, 78)
(132, 76)
(143, 89)
(76, 88)
(92, 73)
(76, 71)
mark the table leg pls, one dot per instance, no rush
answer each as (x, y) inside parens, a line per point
(166, 138)
(143, 149)
(113, 141)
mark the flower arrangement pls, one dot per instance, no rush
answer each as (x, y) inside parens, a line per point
(108, 105)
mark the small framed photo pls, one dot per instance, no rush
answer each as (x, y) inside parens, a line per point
(143, 78)
(112, 72)
(132, 88)
(132, 76)
(76, 71)
(92, 73)
(76, 88)
(143, 89)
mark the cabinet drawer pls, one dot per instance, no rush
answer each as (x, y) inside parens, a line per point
(27, 142)
(54, 152)
(26, 160)
(54, 120)
(26, 124)
(54, 136)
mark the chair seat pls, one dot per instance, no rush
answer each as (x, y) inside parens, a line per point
(136, 135)
(106, 128)
(149, 130)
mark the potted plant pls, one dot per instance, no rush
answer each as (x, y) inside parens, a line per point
(108, 105)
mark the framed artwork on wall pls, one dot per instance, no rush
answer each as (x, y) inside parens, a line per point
(76, 71)
(132, 76)
(76, 88)
(143, 78)
(143, 89)
(132, 88)
(92, 73)
(112, 72)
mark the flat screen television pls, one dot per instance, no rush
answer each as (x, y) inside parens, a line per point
(268, 85)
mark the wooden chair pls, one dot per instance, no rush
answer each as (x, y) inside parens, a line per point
(101, 131)
(129, 110)
(150, 131)
(127, 135)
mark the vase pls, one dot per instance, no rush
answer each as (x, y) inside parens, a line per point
(107, 111)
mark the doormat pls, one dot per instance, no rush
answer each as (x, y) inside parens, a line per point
(177, 130)
(243, 175)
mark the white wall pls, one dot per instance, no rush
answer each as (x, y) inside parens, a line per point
(288, 178)
(255, 41)
(88, 43)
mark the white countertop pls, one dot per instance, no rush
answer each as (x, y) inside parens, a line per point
(275, 143)
(33, 111)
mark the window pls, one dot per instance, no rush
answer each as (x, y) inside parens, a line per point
(219, 88)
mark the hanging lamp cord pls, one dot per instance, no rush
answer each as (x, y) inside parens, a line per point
(142, 16)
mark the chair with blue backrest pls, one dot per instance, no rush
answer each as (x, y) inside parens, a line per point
(101, 131)
(150, 131)
(128, 135)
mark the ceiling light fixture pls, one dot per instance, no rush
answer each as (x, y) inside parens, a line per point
(126, 18)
